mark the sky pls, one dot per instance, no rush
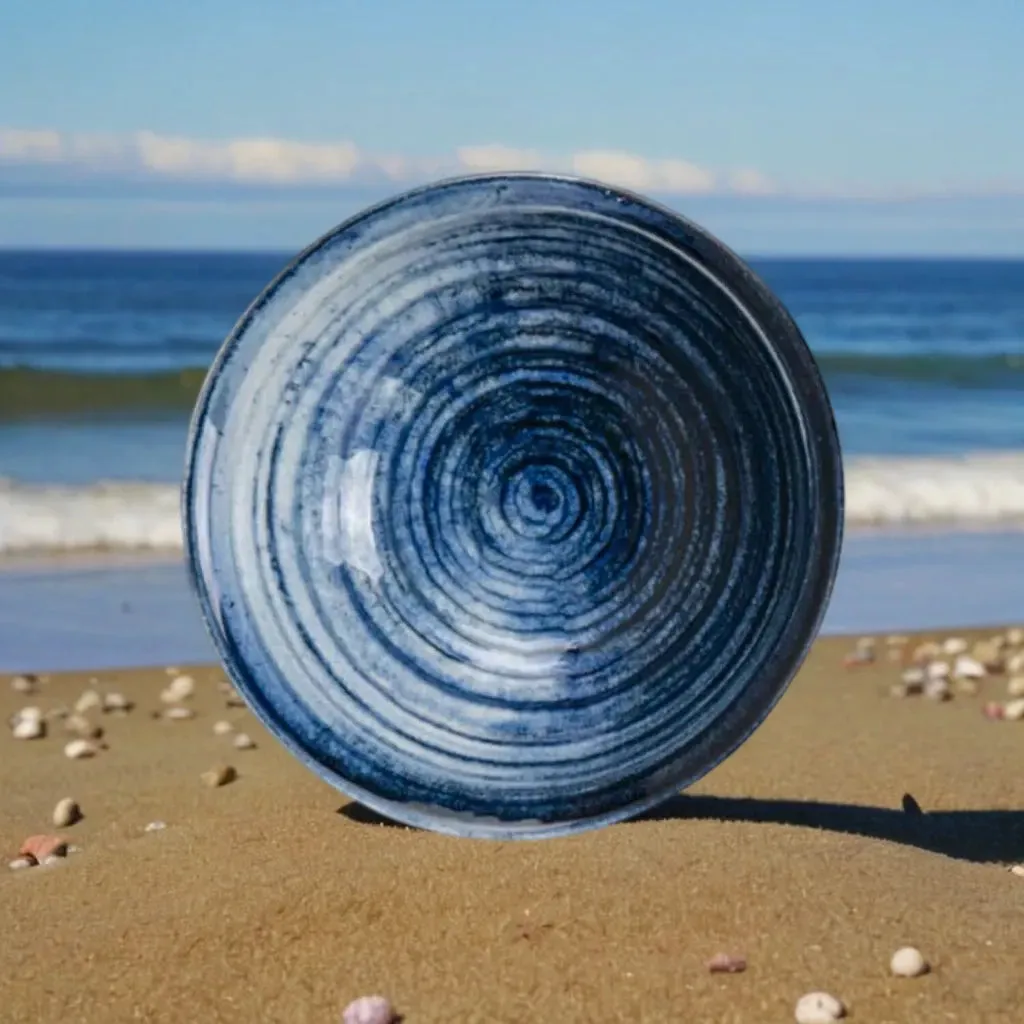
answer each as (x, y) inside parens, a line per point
(786, 127)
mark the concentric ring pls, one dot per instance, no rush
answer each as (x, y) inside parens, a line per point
(513, 505)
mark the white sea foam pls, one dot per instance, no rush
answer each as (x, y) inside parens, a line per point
(975, 491)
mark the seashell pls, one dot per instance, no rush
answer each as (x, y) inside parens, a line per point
(908, 963)
(116, 702)
(42, 847)
(369, 1010)
(66, 813)
(954, 645)
(89, 701)
(1013, 710)
(726, 963)
(24, 684)
(29, 729)
(179, 688)
(938, 689)
(79, 725)
(79, 749)
(221, 775)
(818, 1008)
(222, 728)
(1015, 687)
(179, 714)
(243, 741)
(937, 670)
(968, 668)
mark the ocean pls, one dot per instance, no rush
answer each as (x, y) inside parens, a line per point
(102, 355)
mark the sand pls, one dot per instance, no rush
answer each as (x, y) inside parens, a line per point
(271, 899)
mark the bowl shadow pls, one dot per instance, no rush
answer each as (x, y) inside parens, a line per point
(979, 836)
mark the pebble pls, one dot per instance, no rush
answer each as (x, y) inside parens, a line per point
(221, 775)
(41, 847)
(1015, 687)
(81, 726)
(29, 729)
(969, 668)
(1015, 665)
(938, 689)
(937, 670)
(20, 863)
(908, 963)
(1015, 637)
(243, 741)
(156, 826)
(222, 728)
(369, 1010)
(117, 703)
(1018, 870)
(1013, 710)
(993, 710)
(727, 963)
(24, 684)
(89, 701)
(818, 1008)
(954, 645)
(67, 812)
(179, 714)
(179, 688)
(914, 676)
(78, 749)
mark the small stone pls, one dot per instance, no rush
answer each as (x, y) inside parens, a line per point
(727, 963)
(29, 729)
(938, 689)
(818, 1008)
(1013, 710)
(1015, 687)
(156, 826)
(221, 775)
(993, 710)
(79, 725)
(79, 749)
(89, 701)
(968, 668)
(42, 847)
(369, 1010)
(116, 703)
(222, 728)
(908, 963)
(66, 813)
(178, 689)
(179, 713)
(954, 645)
(243, 741)
(24, 684)
(20, 863)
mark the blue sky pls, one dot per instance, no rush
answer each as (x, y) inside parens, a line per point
(783, 126)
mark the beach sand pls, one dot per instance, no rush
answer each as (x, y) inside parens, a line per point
(269, 899)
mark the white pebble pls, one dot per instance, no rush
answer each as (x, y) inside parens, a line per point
(818, 1008)
(969, 668)
(156, 826)
(88, 701)
(937, 689)
(937, 670)
(116, 702)
(179, 714)
(222, 728)
(78, 749)
(954, 645)
(1015, 664)
(914, 676)
(19, 863)
(179, 688)
(1018, 870)
(908, 963)
(1013, 710)
(23, 684)
(29, 729)
(1015, 637)
(243, 741)
(67, 812)
(368, 1010)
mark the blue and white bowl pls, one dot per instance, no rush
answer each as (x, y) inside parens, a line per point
(513, 505)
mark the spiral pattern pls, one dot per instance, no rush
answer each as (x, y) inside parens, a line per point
(513, 505)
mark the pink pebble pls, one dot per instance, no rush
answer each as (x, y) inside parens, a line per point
(369, 1010)
(726, 963)
(993, 710)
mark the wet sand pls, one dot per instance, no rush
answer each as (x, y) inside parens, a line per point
(851, 824)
